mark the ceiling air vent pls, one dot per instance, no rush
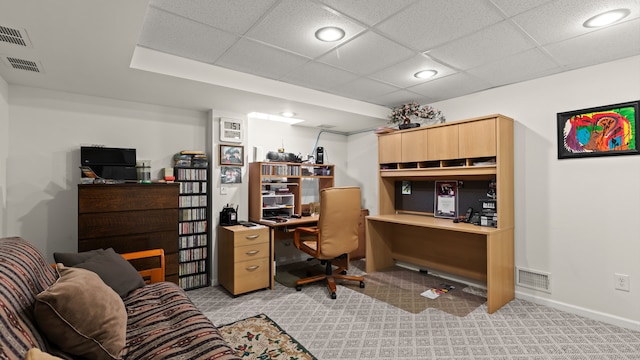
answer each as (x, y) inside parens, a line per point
(22, 64)
(536, 280)
(14, 36)
(326, 126)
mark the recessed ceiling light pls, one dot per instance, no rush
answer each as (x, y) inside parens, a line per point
(330, 33)
(425, 74)
(288, 114)
(606, 18)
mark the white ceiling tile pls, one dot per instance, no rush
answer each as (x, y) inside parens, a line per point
(292, 25)
(369, 12)
(430, 23)
(451, 86)
(319, 76)
(520, 67)
(363, 89)
(511, 7)
(397, 98)
(259, 59)
(176, 35)
(401, 75)
(491, 43)
(236, 16)
(367, 53)
(614, 42)
(563, 19)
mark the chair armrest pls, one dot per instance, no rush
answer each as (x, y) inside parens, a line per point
(303, 230)
(151, 275)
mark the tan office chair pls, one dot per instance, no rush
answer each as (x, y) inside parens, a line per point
(335, 236)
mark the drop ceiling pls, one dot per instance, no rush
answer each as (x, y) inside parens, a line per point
(261, 55)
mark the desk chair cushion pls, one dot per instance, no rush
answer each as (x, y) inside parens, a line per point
(338, 222)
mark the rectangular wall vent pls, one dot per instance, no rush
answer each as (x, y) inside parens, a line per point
(22, 64)
(14, 36)
(536, 280)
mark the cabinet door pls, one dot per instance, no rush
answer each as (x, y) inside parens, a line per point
(478, 138)
(389, 148)
(442, 143)
(413, 146)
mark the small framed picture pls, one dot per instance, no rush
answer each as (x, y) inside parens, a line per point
(231, 175)
(446, 204)
(231, 155)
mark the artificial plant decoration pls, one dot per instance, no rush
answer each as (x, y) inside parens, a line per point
(404, 114)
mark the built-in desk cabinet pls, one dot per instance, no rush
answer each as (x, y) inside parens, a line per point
(458, 150)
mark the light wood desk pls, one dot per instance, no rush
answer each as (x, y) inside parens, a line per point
(283, 230)
(476, 252)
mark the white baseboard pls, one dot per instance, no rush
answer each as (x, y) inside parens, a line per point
(588, 313)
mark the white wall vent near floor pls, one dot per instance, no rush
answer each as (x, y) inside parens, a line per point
(14, 36)
(22, 64)
(533, 279)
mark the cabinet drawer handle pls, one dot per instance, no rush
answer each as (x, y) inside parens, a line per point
(251, 237)
(252, 252)
(254, 267)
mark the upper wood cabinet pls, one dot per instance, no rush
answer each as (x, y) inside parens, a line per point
(472, 149)
(414, 146)
(390, 148)
(477, 138)
(442, 143)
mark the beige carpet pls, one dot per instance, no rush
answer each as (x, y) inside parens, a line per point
(395, 286)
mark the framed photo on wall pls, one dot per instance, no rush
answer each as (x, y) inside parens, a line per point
(599, 131)
(446, 195)
(231, 175)
(231, 155)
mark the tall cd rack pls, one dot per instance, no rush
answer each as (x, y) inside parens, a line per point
(193, 232)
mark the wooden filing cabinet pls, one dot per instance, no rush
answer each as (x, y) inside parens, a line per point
(243, 258)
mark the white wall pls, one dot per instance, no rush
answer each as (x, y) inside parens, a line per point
(47, 129)
(4, 151)
(575, 218)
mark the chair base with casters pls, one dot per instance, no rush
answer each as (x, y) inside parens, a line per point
(330, 276)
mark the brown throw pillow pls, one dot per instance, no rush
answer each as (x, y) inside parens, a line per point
(112, 268)
(82, 315)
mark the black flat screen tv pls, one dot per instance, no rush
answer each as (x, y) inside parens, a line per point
(110, 163)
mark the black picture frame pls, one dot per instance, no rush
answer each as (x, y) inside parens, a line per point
(599, 131)
(446, 199)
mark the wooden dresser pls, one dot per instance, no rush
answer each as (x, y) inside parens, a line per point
(130, 217)
(244, 258)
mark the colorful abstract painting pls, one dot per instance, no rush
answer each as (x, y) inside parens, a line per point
(604, 130)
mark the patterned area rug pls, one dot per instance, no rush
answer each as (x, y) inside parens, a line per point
(259, 337)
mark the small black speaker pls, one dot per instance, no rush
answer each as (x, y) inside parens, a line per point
(319, 155)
